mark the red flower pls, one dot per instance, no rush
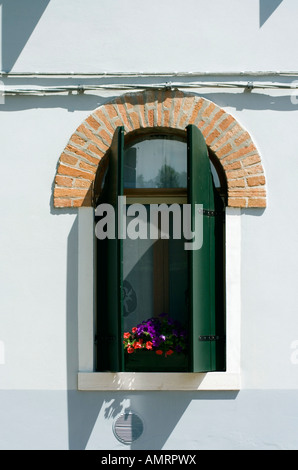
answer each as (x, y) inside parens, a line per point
(149, 345)
(169, 352)
(159, 352)
(126, 335)
(138, 344)
(134, 329)
(130, 350)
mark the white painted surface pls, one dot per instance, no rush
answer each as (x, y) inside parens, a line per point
(41, 314)
(86, 289)
(129, 35)
(2, 353)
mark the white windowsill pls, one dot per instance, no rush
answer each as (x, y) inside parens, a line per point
(101, 381)
(93, 381)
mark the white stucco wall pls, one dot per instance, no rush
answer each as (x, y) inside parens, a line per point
(126, 35)
(38, 274)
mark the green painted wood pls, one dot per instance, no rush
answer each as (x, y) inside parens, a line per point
(149, 361)
(110, 273)
(206, 263)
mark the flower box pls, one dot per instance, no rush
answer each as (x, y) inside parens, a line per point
(156, 345)
(149, 361)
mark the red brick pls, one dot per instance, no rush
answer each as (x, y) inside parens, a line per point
(257, 202)
(122, 112)
(246, 192)
(81, 183)
(242, 138)
(102, 117)
(134, 119)
(196, 110)
(62, 202)
(63, 181)
(69, 159)
(233, 166)
(213, 122)
(85, 201)
(209, 110)
(76, 151)
(159, 99)
(211, 137)
(240, 183)
(256, 180)
(254, 170)
(111, 110)
(140, 101)
(90, 136)
(175, 113)
(104, 135)
(86, 166)
(93, 123)
(226, 123)
(69, 171)
(94, 149)
(77, 140)
(226, 137)
(236, 202)
(251, 160)
(69, 192)
(224, 150)
(150, 117)
(166, 118)
(242, 152)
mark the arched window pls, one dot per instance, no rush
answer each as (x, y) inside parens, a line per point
(160, 256)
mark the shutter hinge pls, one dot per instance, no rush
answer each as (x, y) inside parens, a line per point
(211, 338)
(210, 213)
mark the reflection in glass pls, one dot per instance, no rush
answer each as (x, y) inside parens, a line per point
(160, 162)
(155, 278)
(156, 163)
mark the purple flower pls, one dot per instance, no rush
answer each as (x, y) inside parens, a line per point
(162, 332)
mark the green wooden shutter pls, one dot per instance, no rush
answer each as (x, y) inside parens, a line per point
(110, 274)
(207, 348)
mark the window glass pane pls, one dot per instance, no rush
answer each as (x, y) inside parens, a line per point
(160, 162)
(156, 163)
(155, 277)
(138, 292)
(178, 280)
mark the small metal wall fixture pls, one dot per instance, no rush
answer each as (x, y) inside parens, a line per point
(128, 427)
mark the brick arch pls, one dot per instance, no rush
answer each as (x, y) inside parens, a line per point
(84, 154)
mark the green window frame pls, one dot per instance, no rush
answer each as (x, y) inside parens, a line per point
(206, 315)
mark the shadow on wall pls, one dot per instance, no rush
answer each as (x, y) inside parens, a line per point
(91, 415)
(19, 20)
(267, 8)
(89, 102)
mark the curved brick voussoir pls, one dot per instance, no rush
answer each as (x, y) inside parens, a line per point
(232, 145)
